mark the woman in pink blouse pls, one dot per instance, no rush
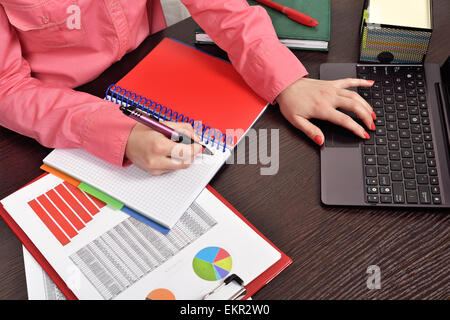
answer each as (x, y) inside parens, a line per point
(48, 47)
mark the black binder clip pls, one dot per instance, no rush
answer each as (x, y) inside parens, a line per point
(237, 295)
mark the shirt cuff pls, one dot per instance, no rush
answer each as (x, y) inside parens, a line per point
(105, 133)
(277, 68)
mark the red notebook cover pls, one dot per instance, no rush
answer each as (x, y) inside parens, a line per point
(196, 84)
(252, 287)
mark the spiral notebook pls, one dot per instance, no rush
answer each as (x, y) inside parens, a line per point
(175, 82)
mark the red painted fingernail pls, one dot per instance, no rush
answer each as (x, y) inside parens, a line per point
(371, 82)
(366, 135)
(372, 126)
(318, 140)
(374, 116)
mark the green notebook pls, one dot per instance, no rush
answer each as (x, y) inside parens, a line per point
(291, 33)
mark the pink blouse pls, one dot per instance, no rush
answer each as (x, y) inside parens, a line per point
(48, 47)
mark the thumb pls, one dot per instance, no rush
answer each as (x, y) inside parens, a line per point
(312, 131)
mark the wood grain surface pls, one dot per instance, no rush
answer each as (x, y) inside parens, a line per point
(331, 246)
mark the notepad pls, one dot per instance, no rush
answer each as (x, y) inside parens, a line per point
(406, 13)
(175, 82)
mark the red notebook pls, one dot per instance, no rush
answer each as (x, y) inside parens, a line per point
(252, 287)
(195, 84)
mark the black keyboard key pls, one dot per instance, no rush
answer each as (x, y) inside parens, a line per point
(421, 168)
(392, 126)
(404, 133)
(391, 117)
(370, 160)
(424, 195)
(426, 129)
(394, 156)
(430, 154)
(431, 162)
(407, 153)
(381, 150)
(432, 171)
(410, 185)
(381, 140)
(413, 111)
(407, 163)
(372, 190)
(369, 150)
(385, 190)
(409, 174)
(396, 166)
(411, 196)
(393, 145)
(396, 176)
(405, 143)
(372, 198)
(398, 192)
(382, 160)
(419, 158)
(383, 170)
(380, 131)
(386, 199)
(422, 179)
(371, 181)
(418, 148)
(436, 199)
(434, 181)
(371, 171)
(434, 190)
(384, 180)
(417, 138)
(392, 136)
(416, 129)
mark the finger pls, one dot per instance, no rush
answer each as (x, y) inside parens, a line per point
(358, 109)
(343, 120)
(353, 95)
(185, 128)
(185, 153)
(156, 172)
(312, 131)
(173, 164)
(352, 82)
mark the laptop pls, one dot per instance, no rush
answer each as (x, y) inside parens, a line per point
(406, 161)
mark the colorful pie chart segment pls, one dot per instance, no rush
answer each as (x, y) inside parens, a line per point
(212, 263)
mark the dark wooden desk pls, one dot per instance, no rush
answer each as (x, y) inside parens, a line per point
(331, 247)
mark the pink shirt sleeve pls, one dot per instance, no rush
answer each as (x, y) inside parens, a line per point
(57, 117)
(247, 35)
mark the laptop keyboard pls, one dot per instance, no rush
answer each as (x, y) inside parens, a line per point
(399, 158)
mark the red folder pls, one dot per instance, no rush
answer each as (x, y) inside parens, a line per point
(252, 287)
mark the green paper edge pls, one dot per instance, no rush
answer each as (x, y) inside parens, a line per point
(110, 201)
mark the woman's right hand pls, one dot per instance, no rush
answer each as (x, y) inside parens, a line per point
(153, 152)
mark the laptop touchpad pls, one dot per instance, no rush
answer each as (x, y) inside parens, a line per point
(340, 137)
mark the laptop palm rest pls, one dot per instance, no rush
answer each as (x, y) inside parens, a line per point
(342, 177)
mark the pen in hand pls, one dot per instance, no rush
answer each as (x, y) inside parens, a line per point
(153, 123)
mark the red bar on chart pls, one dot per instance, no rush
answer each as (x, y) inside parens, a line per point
(66, 211)
(54, 229)
(73, 203)
(98, 202)
(57, 216)
(82, 198)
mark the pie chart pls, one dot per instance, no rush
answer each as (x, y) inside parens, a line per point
(212, 263)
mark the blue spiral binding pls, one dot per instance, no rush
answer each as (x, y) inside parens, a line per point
(122, 97)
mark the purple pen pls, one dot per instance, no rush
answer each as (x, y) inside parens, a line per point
(152, 122)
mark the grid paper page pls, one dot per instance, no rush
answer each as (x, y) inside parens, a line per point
(162, 198)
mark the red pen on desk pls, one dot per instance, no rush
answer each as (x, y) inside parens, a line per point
(291, 13)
